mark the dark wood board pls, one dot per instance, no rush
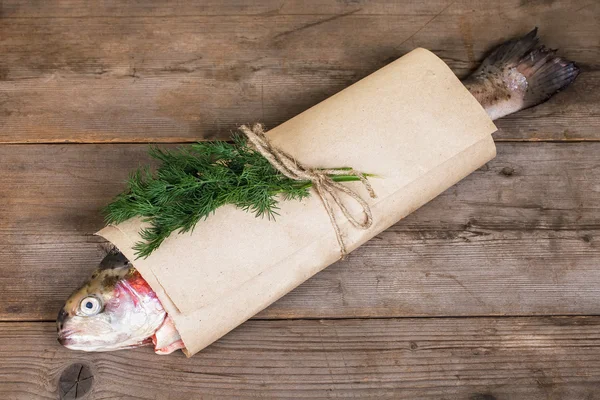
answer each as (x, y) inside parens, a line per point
(144, 71)
(489, 292)
(517, 237)
(446, 358)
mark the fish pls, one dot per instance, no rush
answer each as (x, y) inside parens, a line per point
(117, 309)
(519, 74)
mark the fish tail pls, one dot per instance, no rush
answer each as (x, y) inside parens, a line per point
(519, 74)
(510, 53)
(546, 75)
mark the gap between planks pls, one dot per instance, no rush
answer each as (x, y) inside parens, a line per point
(191, 141)
(382, 318)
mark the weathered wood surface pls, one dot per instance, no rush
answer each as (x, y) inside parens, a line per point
(518, 237)
(72, 71)
(470, 359)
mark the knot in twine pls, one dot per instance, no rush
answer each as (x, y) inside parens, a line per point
(319, 177)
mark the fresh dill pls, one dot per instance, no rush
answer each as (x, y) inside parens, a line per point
(192, 182)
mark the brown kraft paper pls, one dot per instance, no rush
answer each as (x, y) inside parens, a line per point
(412, 123)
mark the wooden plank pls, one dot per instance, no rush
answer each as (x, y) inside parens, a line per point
(159, 9)
(459, 358)
(142, 72)
(517, 237)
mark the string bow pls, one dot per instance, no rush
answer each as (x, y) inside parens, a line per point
(320, 178)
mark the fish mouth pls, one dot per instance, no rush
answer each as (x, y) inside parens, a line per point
(68, 338)
(74, 345)
(64, 337)
(63, 341)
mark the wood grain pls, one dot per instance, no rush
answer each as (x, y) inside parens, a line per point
(160, 9)
(452, 358)
(145, 71)
(517, 237)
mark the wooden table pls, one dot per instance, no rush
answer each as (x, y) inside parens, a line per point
(491, 291)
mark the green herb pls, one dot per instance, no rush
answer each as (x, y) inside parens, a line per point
(193, 181)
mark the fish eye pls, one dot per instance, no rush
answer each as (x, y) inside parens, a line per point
(90, 306)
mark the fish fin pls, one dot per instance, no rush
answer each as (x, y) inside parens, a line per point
(170, 348)
(107, 248)
(166, 339)
(511, 52)
(114, 260)
(519, 74)
(546, 75)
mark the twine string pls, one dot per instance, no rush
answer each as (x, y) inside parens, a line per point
(320, 178)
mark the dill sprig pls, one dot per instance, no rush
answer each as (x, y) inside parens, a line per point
(192, 182)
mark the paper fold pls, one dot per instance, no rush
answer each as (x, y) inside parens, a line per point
(412, 123)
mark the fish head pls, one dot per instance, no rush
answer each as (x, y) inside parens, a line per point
(115, 309)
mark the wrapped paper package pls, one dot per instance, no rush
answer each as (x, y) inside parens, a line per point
(412, 123)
